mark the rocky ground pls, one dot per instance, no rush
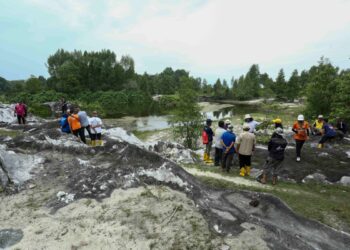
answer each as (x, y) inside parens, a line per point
(67, 195)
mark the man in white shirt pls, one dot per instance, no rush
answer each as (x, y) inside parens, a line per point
(96, 129)
(248, 119)
(245, 145)
(218, 146)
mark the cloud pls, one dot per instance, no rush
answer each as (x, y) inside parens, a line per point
(204, 36)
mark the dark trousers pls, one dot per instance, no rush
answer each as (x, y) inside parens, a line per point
(96, 136)
(218, 156)
(245, 160)
(88, 130)
(299, 146)
(81, 134)
(326, 138)
(21, 119)
(226, 161)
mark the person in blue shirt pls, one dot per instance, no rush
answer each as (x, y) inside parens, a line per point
(228, 140)
(64, 122)
(328, 132)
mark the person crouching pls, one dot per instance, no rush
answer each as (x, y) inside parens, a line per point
(276, 148)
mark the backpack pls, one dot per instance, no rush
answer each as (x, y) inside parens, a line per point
(64, 125)
(205, 138)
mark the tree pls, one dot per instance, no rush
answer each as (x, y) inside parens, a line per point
(33, 85)
(321, 90)
(4, 85)
(187, 119)
(341, 104)
(280, 85)
(293, 86)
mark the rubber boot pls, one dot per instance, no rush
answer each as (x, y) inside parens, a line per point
(247, 170)
(93, 143)
(263, 179)
(274, 180)
(242, 172)
(205, 157)
(209, 160)
(320, 145)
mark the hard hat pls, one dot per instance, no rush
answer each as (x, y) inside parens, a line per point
(228, 121)
(230, 127)
(279, 130)
(300, 118)
(247, 116)
(320, 116)
(277, 120)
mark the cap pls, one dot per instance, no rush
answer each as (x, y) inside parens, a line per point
(228, 121)
(246, 126)
(247, 116)
(300, 118)
(277, 120)
(279, 131)
(320, 116)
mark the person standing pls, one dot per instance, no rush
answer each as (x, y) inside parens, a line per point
(245, 146)
(84, 121)
(96, 129)
(227, 123)
(276, 148)
(218, 146)
(328, 133)
(248, 119)
(342, 126)
(301, 134)
(21, 112)
(75, 126)
(64, 106)
(228, 141)
(207, 136)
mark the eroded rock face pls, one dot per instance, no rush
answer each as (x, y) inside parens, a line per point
(104, 173)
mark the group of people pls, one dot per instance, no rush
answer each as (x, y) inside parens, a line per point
(76, 121)
(21, 112)
(227, 143)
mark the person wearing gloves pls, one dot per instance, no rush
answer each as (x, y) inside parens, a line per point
(301, 134)
(248, 119)
(276, 148)
(218, 146)
(245, 145)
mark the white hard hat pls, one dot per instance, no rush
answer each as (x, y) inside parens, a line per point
(300, 118)
(228, 121)
(320, 116)
(247, 116)
(246, 126)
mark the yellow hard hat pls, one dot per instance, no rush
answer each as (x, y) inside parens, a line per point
(277, 120)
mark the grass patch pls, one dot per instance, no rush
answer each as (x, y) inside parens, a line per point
(328, 204)
(10, 133)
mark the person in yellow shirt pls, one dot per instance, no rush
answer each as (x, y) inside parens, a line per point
(318, 125)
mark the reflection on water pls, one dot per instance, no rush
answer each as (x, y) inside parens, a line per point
(152, 123)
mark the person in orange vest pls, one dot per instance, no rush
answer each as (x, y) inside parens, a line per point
(301, 129)
(75, 126)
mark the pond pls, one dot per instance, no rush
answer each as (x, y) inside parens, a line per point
(214, 111)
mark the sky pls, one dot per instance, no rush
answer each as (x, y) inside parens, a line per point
(210, 39)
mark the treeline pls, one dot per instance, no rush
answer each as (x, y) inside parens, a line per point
(99, 80)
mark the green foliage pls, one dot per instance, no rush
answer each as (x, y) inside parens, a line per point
(40, 110)
(187, 119)
(341, 103)
(321, 90)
